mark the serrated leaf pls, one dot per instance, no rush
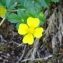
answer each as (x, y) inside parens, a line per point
(13, 18)
(23, 14)
(32, 7)
(10, 4)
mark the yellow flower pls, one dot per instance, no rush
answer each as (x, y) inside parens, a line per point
(30, 30)
(2, 11)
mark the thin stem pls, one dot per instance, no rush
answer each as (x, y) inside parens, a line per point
(2, 21)
(15, 10)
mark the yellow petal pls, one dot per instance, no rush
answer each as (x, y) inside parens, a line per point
(23, 29)
(33, 22)
(2, 11)
(28, 39)
(38, 32)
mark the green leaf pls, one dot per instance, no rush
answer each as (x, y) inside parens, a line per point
(48, 2)
(7, 14)
(55, 1)
(41, 23)
(23, 14)
(14, 18)
(10, 4)
(32, 7)
(3, 2)
(42, 18)
(43, 3)
(11, 7)
(41, 14)
(17, 25)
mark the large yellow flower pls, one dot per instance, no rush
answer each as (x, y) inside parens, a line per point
(2, 11)
(30, 30)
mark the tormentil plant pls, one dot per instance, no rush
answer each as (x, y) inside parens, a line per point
(30, 30)
(27, 15)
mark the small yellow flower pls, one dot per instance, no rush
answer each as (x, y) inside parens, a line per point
(2, 11)
(30, 30)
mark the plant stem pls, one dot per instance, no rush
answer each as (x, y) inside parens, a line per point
(2, 21)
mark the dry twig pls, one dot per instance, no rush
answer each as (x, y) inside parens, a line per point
(2, 21)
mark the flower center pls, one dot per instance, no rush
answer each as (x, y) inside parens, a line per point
(31, 30)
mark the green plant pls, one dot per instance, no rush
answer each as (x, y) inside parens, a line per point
(18, 11)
